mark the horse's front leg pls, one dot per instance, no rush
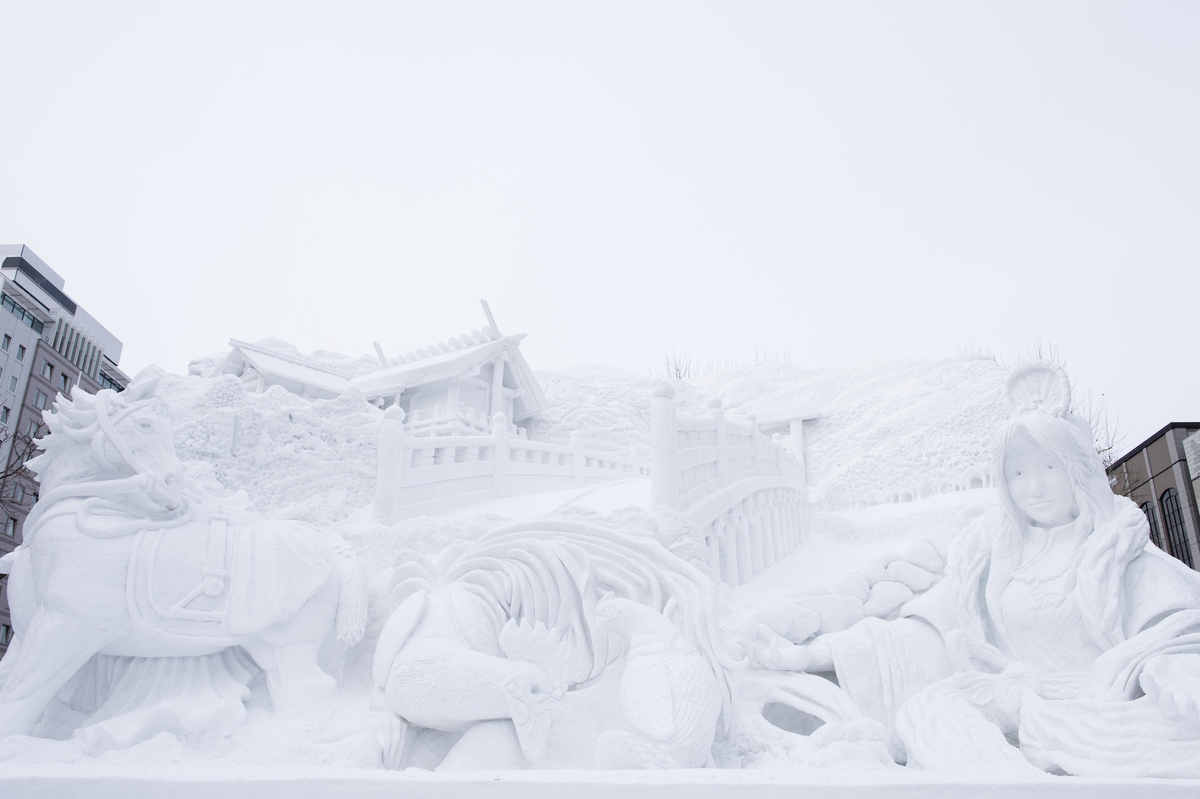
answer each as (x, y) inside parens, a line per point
(51, 650)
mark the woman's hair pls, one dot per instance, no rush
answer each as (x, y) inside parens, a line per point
(1109, 547)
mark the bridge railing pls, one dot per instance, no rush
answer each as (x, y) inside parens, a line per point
(431, 474)
(744, 490)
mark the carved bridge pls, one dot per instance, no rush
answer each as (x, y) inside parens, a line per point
(745, 491)
(433, 474)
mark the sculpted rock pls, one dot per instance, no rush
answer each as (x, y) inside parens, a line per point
(886, 597)
(913, 577)
(836, 612)
(925, 555)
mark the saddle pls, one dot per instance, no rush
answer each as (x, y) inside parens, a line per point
(225, 574)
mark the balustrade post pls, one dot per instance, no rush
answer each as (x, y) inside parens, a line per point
(714, 410)
(714, 550)
(770, 549)
(664, 448)
(797, 447)
(785, 529)
(391, 466)
(754, 534)
(499, 451)
(785, 523)
(754, 441)
(578, 459)
(729, 554)
(745, 546)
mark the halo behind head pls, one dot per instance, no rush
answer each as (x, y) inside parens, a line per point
(1039, 386)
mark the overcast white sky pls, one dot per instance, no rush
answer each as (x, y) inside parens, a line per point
(843, 181)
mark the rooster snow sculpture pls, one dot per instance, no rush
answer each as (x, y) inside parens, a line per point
(504, 629)
(119, 559)
(669, 693)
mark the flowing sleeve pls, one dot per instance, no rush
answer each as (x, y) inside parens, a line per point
(880, 664)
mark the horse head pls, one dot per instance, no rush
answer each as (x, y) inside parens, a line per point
(108, 437)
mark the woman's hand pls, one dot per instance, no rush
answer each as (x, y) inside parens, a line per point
(773, 651)
(1173, 682)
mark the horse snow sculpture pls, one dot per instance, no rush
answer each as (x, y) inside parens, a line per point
(119, 560)
(506, 628)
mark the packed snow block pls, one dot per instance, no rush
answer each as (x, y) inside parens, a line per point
(913, 577)
(875, 573)
(837, 612)
(854, 585)
(885, 598)
(925, 555)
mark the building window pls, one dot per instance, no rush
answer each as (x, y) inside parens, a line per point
(5, 634)
(1173, 516)
(21, 313)
(21, 352)
(1152, 518)
(4, 412)
(47, 370)
(18, 493)
(10, 527)
(12, 385)
(64, 384)
(39, 401)
(4, 344)
(108, 382)
(31, 429)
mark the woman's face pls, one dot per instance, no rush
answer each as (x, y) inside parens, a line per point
(1038, 484)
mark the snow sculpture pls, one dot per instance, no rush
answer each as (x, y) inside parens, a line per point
(530, 629)
(1059, 638)
(121, 560)
(668, 693)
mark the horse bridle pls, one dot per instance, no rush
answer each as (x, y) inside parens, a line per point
(108, 428)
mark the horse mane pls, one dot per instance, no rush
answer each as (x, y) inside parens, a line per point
(72, 422)
(553, 572)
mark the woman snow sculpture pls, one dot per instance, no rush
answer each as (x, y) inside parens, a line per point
(119, 560)
(1059, 637)
(503, 630)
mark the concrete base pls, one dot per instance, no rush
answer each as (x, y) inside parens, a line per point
(46, 780)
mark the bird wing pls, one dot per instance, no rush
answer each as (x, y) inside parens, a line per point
(697, 695)
(646, 697)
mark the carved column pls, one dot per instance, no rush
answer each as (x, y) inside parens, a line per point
(391, 466)
(727, 541)
(499, 451)
(664, 446)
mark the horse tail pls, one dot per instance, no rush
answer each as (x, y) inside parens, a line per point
(352, 600)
